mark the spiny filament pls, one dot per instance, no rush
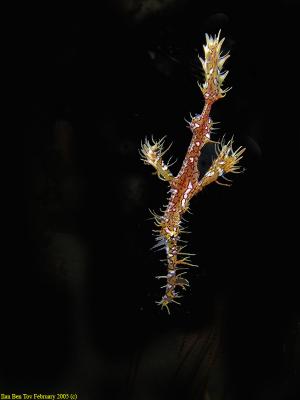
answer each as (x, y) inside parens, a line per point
(212, 65)
(152, 154)
(187, 183)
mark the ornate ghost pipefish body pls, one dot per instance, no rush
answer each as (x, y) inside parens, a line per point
(187, 183)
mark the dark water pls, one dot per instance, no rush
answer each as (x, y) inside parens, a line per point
(79, 313)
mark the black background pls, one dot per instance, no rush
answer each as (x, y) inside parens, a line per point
(79, 307)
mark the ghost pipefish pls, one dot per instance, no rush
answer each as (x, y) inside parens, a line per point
(187, 183)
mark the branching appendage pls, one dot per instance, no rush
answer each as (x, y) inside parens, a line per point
(152, 154)
(187, 183)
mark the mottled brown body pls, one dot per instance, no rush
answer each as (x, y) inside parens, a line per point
(187, 184)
